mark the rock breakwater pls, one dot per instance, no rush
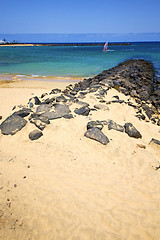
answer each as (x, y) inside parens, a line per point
(133, 78)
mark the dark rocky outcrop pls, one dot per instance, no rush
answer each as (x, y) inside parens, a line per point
(24, 112)
(36, 116)
(132, 77)
(155, 99)
(38, 123)
(48, 100)
(96, 134)
(43, 108)
(60, 110)
(55, 91)
(115, 126)
(12, 124)
(97, 124)
(132, 131)
(82, 111)
(34, 101)
(43, 95)
(149, 111)
(135, 78)
(61, 99)
(34, 135)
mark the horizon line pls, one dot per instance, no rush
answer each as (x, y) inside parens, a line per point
(89, 33)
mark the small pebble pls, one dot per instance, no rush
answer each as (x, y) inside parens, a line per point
(141, 146)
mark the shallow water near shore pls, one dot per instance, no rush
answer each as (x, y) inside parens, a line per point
(71, 61)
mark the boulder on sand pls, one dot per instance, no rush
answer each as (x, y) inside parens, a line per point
(12, 124)
(96, 134)
(115, 126)
(61, 110)
(35, 134)
(132, 131)
(82, 111)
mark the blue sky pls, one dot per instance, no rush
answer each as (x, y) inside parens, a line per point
(83, 16)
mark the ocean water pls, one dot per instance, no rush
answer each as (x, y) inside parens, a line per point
(71, 61)
(85, 37)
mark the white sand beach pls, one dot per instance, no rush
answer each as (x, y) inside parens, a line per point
(64, 186)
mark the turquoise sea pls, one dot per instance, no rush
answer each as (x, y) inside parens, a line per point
(71, 61)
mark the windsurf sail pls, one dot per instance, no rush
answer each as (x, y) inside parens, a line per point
(105, 46)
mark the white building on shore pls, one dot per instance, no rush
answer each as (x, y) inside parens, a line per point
(2, 42)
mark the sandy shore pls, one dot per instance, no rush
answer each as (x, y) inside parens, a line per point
(66, 186)
(18, 91)
(12, 78)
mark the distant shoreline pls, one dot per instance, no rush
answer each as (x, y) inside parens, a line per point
(61, 44)
(22, 77)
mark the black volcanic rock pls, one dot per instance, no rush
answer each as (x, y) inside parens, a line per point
(115, 126)
(43, 95)
(43, 108)
(155, 99)
(132, 131)
(92, 124)
(49, 100)
(148, 110)
(137, 78)
(61, 110)
(96, 134)
(61, 99)
(35, 100)
(38, 123)
(34, 135)
(55, 91)
(35, 116)
(82, 111)
(12, 124)
(24, 112)
(155, 142)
